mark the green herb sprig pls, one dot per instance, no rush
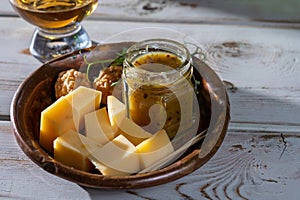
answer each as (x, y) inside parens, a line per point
(105, 63)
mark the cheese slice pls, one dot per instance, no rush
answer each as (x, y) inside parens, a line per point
(154, 149)
(117, 116)
(98, 128)
(116, 111)
(83, 101)
(73, 149)
(116, 158)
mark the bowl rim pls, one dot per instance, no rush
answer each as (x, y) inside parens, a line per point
(180, 168)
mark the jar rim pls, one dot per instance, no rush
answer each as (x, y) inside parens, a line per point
(167, 45)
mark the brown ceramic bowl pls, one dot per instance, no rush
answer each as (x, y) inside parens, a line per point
(37, 92)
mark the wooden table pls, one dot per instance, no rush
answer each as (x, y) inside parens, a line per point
(255, 49)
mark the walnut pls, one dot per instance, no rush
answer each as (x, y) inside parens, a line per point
(105, 80)
(69, 80)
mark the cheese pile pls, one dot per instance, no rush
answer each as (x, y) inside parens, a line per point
(84, 136)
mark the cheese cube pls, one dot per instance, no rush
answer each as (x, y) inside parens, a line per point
(116, 158)
(97, 126)
(73, 149)
(154, 149)
(117, 116)
(83, 101)
(55, 120)
(67, 113)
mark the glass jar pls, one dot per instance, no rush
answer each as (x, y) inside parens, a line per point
(158, 91)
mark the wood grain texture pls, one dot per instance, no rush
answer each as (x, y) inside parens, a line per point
(249, 165)
(192, 11)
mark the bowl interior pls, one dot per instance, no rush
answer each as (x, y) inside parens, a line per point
(37, 92)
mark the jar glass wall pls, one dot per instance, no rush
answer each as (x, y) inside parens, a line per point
(158, 91)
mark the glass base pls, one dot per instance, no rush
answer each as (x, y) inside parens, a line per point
(47, 44)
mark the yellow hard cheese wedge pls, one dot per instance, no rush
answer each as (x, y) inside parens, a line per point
(116, 158)
(98, 128)
(55, 120)
(117, 116)
(83, 101)
(67, 113)
(73, 150)
(154, 149)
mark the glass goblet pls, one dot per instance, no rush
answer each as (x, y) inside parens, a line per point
(58, 25)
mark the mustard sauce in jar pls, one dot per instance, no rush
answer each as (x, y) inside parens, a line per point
(157, 84)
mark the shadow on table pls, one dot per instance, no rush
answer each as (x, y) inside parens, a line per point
(155, 192)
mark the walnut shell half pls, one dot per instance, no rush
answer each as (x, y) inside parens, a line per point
(69, 80)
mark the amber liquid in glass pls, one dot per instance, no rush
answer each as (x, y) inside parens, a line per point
(52, 14)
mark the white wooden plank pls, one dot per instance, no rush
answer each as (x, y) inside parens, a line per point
(231, 11)
(277, 106)
(248, 165)
(15, 61)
